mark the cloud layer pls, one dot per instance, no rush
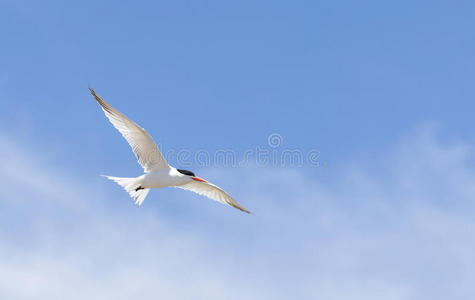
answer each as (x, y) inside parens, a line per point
(396, 226)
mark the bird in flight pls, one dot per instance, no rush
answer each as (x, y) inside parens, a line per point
(158, 173)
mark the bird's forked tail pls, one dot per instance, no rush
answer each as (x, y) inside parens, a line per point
(132, 186)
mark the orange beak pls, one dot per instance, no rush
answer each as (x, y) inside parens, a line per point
(198, 179)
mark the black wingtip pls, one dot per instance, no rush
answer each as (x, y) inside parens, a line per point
(91, 90)
(96, 96)
(244, 210)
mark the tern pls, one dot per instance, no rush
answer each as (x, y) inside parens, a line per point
(157, 172)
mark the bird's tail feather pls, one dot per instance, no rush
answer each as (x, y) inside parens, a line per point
(132, 186)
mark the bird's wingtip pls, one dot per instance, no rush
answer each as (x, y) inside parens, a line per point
(245, 210)
(91, 89)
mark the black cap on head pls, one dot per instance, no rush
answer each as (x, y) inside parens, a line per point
(186, 172)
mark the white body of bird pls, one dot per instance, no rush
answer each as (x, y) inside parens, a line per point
(163, 178)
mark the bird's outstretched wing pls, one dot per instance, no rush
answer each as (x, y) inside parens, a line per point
(142, 144)
(213, 192)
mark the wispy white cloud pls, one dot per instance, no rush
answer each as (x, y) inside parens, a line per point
(398, 226)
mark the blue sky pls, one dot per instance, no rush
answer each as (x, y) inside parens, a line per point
(383, 91)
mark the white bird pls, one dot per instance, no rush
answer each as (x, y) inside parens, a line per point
(157, 171)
